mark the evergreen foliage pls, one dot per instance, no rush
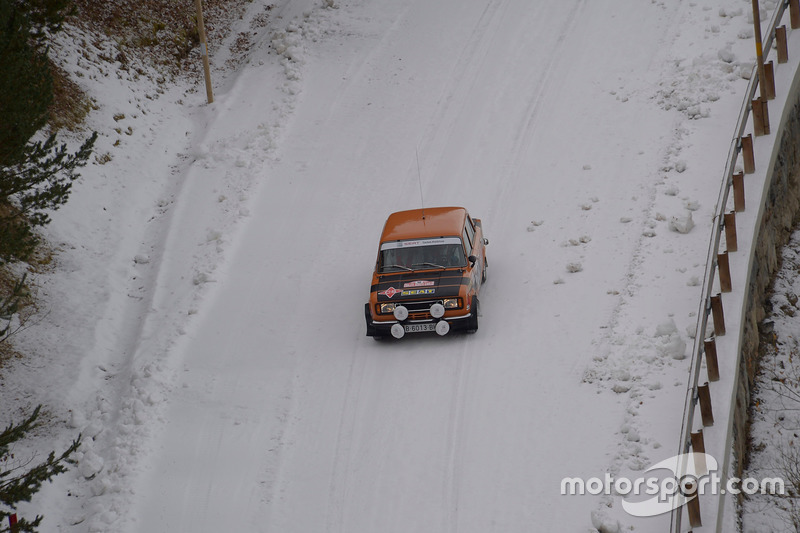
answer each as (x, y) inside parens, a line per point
(19, 481)
(26, 85)
(34, 177)
(9, 306)
(45, 16)
(29, 189)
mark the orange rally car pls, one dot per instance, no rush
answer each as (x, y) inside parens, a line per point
(429, 271)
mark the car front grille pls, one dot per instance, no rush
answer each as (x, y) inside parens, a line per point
(420, 310)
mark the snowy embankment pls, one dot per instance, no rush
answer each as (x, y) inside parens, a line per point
(205, 312)
(774, 414)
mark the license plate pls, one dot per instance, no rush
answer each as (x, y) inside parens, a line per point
(416, 328)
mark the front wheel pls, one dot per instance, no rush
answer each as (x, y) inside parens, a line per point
(473, 320)
(371, 331)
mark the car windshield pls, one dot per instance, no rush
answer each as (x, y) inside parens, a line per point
(424, 254)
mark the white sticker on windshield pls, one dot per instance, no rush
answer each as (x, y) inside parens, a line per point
(420, 242)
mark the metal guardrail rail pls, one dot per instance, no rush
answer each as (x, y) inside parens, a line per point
(698, 349)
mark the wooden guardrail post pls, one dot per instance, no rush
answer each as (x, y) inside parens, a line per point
(718, 315)
(738, 192)
(693, 506)
(699, 451)
(769, 80)
(783, 48)
(747, 153)
(704, 397)
(724, 270)
(760, 115)
(712, 365)
(730, 232)
(794, 13)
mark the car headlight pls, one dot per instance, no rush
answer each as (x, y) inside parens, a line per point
(386, 309)
(451, 303)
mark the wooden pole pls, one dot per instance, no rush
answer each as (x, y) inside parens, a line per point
(794, 13)
(201, 30)
(760, 112)
(759, 51)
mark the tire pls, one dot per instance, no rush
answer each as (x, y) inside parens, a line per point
(483, 272)
(371, 332)
(473, 320)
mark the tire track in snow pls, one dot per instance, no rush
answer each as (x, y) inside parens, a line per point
(541, 82)
(458, 415)
(355, 73)
(340, 477)
(478, 60)
(468, 66)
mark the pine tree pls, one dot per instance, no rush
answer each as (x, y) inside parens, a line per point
(26, 85)
(29, 189)
(19, 481)
(45, 16)
(9, 306)
(34, 177)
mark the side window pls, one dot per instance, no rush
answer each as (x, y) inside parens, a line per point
(470, 231)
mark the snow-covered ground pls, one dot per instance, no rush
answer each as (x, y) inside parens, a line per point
(775, 422)
(202, 326)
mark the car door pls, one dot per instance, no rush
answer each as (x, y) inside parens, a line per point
(472, 243)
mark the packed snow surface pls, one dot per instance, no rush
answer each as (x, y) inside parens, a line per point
(202, 325)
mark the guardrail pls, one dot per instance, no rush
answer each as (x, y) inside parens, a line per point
(717, 263)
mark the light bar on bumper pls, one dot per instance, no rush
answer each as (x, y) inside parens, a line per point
(387, 308)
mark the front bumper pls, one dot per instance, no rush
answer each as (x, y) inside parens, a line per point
(383, 328)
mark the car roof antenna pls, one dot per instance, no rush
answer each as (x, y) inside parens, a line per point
(419, 178)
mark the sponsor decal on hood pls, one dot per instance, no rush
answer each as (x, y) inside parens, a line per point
(403, 285)
(418, 292)
(420, 283)
(391, 291)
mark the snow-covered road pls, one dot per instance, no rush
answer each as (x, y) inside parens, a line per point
(305, 424)
(566, 126)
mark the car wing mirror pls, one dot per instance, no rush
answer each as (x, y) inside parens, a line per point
(472, 260)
